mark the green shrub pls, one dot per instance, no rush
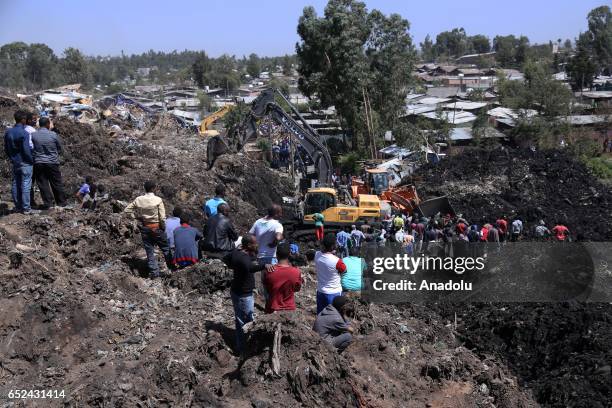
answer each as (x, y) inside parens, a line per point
(601, 167)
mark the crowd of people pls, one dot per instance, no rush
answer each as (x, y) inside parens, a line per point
(34, 151)
(262, 249)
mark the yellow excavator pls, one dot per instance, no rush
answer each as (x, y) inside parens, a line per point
(208, 121)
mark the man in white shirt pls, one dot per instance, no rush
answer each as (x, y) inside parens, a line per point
(329, 268)
(269, 232)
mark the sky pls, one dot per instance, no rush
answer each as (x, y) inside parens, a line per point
(265, 27)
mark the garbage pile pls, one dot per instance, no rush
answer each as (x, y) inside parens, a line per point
(549, 185)
(560, 351)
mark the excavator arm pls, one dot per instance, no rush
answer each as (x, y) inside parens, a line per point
(212, 118)
(264, 105)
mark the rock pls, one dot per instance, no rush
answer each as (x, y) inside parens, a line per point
(223, 357)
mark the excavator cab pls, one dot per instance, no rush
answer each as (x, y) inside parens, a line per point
(378, 180)
(319, 200)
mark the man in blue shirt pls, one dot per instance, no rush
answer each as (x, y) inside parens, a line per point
(342, 242)
(210, 207)
(17, 148)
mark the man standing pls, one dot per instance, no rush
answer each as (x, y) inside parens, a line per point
(342, 241)
(352, 280)
(17, 148)
(282, 282)
(242, 261)
(329, 268)
(47, 148)
(561, 232)
(419, 236)
(210, 207)
(357, 237)
(319, 220)
(332, 326)
(149, 211)
(269, 232)
(517, 229)
(502, 226)
(30, 127)
(220, 233)
(398, 223)
(541, 232)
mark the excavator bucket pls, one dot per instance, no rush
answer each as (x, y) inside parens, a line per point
(431, 207)
(215, 147)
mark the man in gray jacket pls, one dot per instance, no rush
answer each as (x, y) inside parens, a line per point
(46, 151)
(332, 326)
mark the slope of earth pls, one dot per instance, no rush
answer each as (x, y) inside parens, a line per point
(559, 350)
(548, 185)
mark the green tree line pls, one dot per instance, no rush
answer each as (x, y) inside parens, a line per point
(31, 67)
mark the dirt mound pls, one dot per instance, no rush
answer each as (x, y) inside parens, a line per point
(550, 185)
(561, 351)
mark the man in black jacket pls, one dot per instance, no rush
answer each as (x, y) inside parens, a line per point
(244, 263)
(220, 233)
(47, 148)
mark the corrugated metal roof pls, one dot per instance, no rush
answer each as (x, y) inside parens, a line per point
(465, 105)
(452, 117)
(596, 94)
(416, 109)
(395, 151)
(507, 113)
(467, 134)
(432, 100)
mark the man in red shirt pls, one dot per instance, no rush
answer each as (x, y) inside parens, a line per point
(561, 232)
(282, 283)
(502, 226)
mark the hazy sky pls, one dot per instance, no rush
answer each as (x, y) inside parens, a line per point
(266, 27)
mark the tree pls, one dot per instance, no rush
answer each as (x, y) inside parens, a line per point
(201, 69)
(452, 43)
(539, 91)
(479, 126)
(391, 56)
(359, 62)
(13, 58)
(224, 73)
(427, 49)
(75, 68)
(332, 63)
(287, 65)
(600, 36)
(567, 44)
(253, 66)
(41, 66)
(581, 68)
(511, 51)
(480, 43)
(522, 50)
